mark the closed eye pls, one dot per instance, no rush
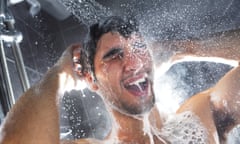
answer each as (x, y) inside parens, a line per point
(113, 53)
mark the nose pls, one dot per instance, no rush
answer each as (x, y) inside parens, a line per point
(132, 62)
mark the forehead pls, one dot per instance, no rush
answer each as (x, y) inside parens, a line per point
(114, 39)
(110, 38)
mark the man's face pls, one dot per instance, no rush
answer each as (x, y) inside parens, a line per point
(123, 69)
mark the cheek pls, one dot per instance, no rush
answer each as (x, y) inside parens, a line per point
(111, 69)
(106, 69)
(108, 73)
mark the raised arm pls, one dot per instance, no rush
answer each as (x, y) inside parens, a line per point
(35, 118)
(218, 107)
(225, 97)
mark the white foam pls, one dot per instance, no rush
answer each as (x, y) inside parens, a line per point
(184, 128)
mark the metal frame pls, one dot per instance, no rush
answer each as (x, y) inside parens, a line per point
(9, 36)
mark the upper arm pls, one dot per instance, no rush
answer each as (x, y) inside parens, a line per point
(225, 96)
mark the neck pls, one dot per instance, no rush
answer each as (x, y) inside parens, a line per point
(135, 128)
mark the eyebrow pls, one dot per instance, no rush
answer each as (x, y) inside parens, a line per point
(111, 52)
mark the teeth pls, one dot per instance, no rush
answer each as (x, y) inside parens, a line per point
(139, 87)
(137, 82)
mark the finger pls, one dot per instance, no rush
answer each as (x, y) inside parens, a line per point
(76, 52)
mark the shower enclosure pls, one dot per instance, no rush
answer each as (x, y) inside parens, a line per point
(34, 33)
(40, 39)
(10, 38)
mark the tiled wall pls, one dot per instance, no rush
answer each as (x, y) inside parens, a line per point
(44, 40)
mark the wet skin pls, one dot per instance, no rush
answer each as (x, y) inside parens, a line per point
(123, 69)
(35, 116)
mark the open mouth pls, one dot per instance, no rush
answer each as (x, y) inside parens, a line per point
(138, 85)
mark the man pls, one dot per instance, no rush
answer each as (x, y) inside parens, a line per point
(116, 63)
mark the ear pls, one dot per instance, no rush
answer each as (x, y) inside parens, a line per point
(90, 80)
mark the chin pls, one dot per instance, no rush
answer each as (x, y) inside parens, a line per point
(140, 108)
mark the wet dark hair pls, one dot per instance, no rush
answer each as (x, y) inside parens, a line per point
(124, 27)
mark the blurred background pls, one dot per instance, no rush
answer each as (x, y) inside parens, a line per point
(47, 27)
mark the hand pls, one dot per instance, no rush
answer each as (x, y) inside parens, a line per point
(68, 62)
(66, 73)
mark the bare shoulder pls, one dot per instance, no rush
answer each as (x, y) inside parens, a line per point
(197, 103)
(201, 106)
